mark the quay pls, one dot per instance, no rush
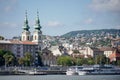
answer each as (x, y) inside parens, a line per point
(28, 70)
(47, 72)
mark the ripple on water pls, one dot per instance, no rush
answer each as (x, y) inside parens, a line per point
(60, 77)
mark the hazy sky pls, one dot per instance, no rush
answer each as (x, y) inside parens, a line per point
(58, 16)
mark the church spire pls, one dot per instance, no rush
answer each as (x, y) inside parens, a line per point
(37, 22)
(26, 26)
(26, 33)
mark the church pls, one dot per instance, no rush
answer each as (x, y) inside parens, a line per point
(37, 33)
(31, 43)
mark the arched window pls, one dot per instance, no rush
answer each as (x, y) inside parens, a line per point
(27, 37)
(35, 37)
(23, 38)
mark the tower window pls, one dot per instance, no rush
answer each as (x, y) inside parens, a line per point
(23, 38)
(28, 38)
(35, 37)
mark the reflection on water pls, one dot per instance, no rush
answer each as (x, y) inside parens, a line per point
(60, 77)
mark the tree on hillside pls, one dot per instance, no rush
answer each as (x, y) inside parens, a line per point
(65, 61)
(100, 59)
(76, 51)
(90, 61)
(79, 61)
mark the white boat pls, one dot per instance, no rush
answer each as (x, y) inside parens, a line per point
(73, 70)
(82, 73)
(100, 70)
(85, 71)
(35, 72)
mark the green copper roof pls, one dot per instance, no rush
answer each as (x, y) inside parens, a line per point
(37, 22)
(26, 26)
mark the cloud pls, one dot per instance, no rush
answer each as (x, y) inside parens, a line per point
(8, 5)
(88, 21)
(7, 8)
(106, 5)
(7, 24)
(54, 24)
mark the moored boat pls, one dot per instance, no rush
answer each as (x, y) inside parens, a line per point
(73, 70)
(36, 73)
(100, 70)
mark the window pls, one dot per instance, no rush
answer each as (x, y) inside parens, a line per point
(23, 37)
(35, 37)
(28, 38)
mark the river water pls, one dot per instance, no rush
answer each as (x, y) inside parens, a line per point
(60, 77)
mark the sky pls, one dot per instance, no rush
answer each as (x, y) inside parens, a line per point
(58, 17)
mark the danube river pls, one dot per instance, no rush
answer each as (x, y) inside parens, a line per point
(60, 77)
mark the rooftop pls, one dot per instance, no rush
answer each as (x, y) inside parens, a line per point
(17, 42)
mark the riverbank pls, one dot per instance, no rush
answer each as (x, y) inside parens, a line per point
(45, 72)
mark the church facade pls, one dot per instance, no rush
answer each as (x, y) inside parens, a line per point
(28, 43)
(37, 33)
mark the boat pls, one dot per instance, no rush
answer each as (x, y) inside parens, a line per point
(100, 70)
(85, 71)
(73, 70)
(35, 72)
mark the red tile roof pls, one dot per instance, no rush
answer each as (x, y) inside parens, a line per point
(22, 42)
(28, 42)
(106, 49)
(114, 55)
(15, 41)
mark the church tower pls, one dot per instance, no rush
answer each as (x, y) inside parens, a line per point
(26, 33)
(37, 34)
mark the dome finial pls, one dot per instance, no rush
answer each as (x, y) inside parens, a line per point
(37, 14)
(26, 14)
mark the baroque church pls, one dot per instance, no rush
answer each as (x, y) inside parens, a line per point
(37, 33)
(30, 43)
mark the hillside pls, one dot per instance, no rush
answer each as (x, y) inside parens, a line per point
(88, 33)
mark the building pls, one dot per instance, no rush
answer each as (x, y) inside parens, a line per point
(115, 55)
(55, 51)
(115, 42)
(19, 48)
(31, 43)
(37, 33)
(28, 43)
(5, 45)
(93, 52)
(107, 51)
(25, 33)
(48, 58)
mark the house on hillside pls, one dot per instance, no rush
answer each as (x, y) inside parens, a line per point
(107, 51)
(115, 55)
(48, 59)
(94, 51)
